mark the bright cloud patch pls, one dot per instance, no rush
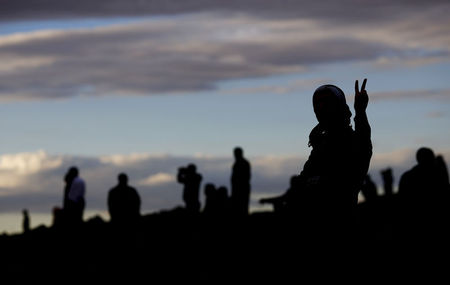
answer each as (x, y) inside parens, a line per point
(157, 179)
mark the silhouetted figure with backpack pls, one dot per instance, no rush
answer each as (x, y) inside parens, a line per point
(337, 166)
(124, 203)
(388, 181)
(191, 180)
(74, 193)
(417, 183)
(423, 187)
(240, 184)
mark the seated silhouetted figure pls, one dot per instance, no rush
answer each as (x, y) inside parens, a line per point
(124, 203)
(369, 189)
(240, 184)
(281, 203)
(191, 180)
(388, 180)
(337, 166)
(74, 201)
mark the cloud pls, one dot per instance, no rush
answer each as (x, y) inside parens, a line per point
(435, 114)
(347, 10)
(157, 179)
(16, 169)
(169, 55)
(160, 57)
(29, 162)
(442, 94)
(293, 86)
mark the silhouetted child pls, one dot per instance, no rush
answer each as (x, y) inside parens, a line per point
(337, 166)
(369, 189)
(388, 181)
(240, 184)
(211, 200)
(124, 203)
(191, 180)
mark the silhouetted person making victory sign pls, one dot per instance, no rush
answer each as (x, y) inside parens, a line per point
(337, 166)
(240, 183)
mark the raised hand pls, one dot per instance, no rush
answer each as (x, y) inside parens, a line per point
(361, 97)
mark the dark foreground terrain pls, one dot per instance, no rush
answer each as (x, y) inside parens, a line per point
(389, 243)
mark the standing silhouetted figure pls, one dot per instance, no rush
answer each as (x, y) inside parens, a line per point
(223, 201)
(211, 200)
(388, 181)
(74, 201)
(369, 189)
(240, 184)
(424, 183)
(191, 180)
(124, 203)
(26, 221)
(442, 172)
(337, 166)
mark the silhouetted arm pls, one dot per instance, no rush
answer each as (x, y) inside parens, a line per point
(180, 178)
(362, 128)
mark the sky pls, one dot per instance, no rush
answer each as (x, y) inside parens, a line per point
(145, 87)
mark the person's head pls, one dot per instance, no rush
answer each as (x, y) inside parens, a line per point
(123, 179)
(425, 156)
(330, 107)
(71, 173)
(238, 153)
(209, 189)
(222, 192)
(191, 168)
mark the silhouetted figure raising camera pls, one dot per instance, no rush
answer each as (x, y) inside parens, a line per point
(388, 181)
(369, 189)
(191, 180)
(337, 166)
(124, 203)
(240, 184)
(74, 201)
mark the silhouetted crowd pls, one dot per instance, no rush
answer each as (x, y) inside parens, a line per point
(325, 192)
(317, 223)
